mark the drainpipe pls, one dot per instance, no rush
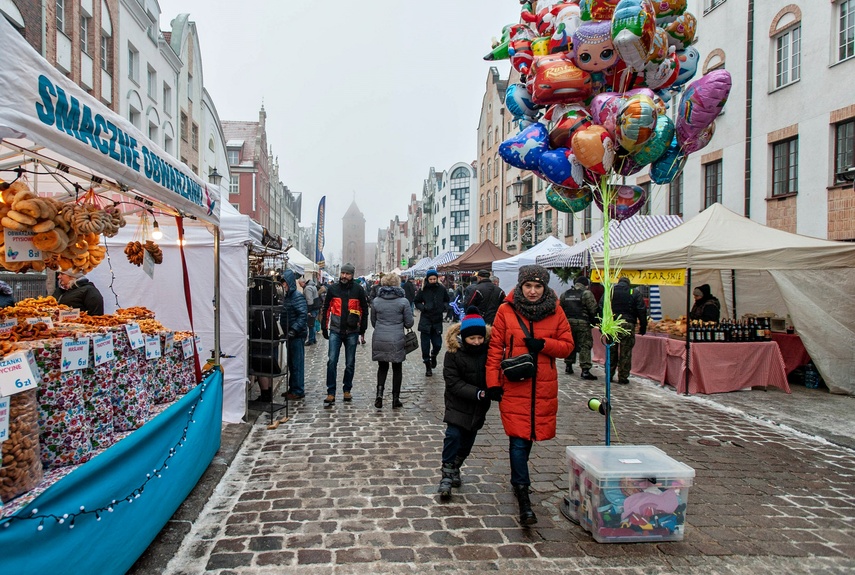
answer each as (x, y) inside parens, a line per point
(749, 85)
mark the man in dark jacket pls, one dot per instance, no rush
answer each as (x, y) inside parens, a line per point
(486, 296)
(580, 309)
(630, 306)
(409, 289)
(431, 301)
(78, 292)
(344, 321)
(294, 316)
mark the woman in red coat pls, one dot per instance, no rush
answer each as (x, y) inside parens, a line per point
(528, 407)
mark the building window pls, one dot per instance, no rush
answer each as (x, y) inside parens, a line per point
(234, 157)
(569, 220)
(489, 138)
(785, 167)
(846, 30)
(482, 174)
(184, 128)
(496, 234)
(234, 185)
(152, 132)
(489, 169)
(194, 132)
(496, 163)
(481, 233)
(711, 4)
(60, 15)
(105, 53)
(508, 235)
(675, 195)
(134, 116)
(586, 220)
(547, 221)
(167, 98)
(151, 83)
(84, 33)
(515, 230)
(167, 145)
(488, 203)
(788, 57)
(712, 183)
(481, 211)
(645, 209)
(844, 149)
(133, 64)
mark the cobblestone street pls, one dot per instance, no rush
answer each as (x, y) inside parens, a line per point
(352, 489)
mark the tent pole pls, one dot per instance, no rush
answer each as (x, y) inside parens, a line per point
(733, 290)
(217, 296)
(688, 330)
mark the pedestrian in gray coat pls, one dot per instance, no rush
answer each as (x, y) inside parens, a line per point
(390, 315)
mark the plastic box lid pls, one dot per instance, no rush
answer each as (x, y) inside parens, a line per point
(615, 461)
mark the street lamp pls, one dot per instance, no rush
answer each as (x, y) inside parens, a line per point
(215, 177)
(519, 187)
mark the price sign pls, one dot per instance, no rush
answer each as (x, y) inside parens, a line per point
(7, 325)
(75, 353)
(135, 335)
(148, 264)
(187, 347)
(18, 372)
(19, 246)
(168, 342)
(69, 314)
(104, 349)
(47, 320)
(4, 419)
(152, 347)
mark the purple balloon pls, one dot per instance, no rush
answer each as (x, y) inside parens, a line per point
(700, 105)
(628, 200)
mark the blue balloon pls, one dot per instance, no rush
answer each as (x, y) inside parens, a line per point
(669, 164)
(523, 151)
(519, 104)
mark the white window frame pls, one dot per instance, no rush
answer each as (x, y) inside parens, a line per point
(105, 53)
(84, 33)
(788, 57)
(60, 15)
(151, 83)
(234, 185)
(167, 98)
(845, 27)
(133, 64)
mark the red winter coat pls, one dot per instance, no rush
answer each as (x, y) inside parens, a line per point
(529, 407)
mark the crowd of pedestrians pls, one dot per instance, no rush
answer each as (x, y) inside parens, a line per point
(532, 321)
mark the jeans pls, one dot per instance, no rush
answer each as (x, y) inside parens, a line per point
(457, 444)
(296, 365)
(434, 336)
(313, 335)
(519, 450)
(350, 341)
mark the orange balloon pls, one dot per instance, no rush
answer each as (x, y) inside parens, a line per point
(594, 148)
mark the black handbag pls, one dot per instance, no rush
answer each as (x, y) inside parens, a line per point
(519, 367)
(411, 341)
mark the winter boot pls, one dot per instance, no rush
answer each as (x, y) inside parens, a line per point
(445, 483)
(456, 481)
(378, 401)
(428, 371)
(527, 516)
(396, 395)
(433, 359)
(586, 374)
(568, 369)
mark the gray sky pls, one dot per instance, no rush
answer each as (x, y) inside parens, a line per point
(360, 97)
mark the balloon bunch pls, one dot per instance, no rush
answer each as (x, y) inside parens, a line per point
(601, 73)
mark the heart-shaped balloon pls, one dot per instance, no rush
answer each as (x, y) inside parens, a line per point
(636, 122)
(568, 199)
(523, 151)
(626, 201)
(701, 103)
(658, 143)
(594, 148)
(575, 118)
(561, 167)
(604, 109)
(669, 164)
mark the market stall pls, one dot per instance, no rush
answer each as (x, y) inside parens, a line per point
(109, 419)
(478, 256)
(806, 278)
(506, 270)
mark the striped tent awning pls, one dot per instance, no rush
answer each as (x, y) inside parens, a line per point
(444, 258)
(624, 233)
(420, 268)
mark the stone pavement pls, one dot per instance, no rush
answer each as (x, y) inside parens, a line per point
(352, 489)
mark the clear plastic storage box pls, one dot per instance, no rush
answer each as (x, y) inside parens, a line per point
(628, 493)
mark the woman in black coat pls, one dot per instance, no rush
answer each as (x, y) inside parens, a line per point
(707, 307)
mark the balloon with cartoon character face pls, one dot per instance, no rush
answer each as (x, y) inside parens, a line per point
(519, 104)
(561, 167)
(681, 32)
(594, 148)
(592, 47)
(519, 48)
(604, 108)
(688, 59)
(668, 10)
(555, 79)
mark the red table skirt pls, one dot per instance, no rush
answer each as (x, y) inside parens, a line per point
(715, 367)
(792, 350)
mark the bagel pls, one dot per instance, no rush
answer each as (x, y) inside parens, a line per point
(29, 207)
(61, 222)
(44, 226)
(47, 206)
(4, 210)
(8, 196)
(78, 248)
(22, 218)
(11, 224)
(47, 241)
(24, 194)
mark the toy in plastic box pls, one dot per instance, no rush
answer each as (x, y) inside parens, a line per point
(628, 493)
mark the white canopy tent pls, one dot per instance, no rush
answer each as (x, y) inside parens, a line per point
(810, 279)
(506, 270)
(119, 279)
(299, 262)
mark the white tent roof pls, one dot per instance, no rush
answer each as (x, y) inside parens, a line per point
(621, 233)
(299, 262)
(814, 278)
(506, 269)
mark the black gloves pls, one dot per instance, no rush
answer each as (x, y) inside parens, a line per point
(534, 344)
(642, 329)
(326, 333)
(495, 393)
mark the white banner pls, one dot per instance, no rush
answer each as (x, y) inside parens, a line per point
(42, 105)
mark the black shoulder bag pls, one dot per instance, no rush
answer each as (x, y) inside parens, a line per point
(519, 367)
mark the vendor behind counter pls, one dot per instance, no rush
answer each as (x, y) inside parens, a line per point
(706, 306)
(78, 292)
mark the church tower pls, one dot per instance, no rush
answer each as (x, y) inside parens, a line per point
(353, 239)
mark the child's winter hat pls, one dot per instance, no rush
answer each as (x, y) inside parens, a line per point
(472, 323)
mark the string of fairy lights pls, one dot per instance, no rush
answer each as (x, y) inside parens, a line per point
(128, 499)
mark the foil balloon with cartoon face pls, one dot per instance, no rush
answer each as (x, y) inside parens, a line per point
(568, 200)
(688, 59)
(681, 32)
(523, 151)
(668, 10)
(633, 28)
(626, 202)
(555, 79)
(594, 148)
(519, 104)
